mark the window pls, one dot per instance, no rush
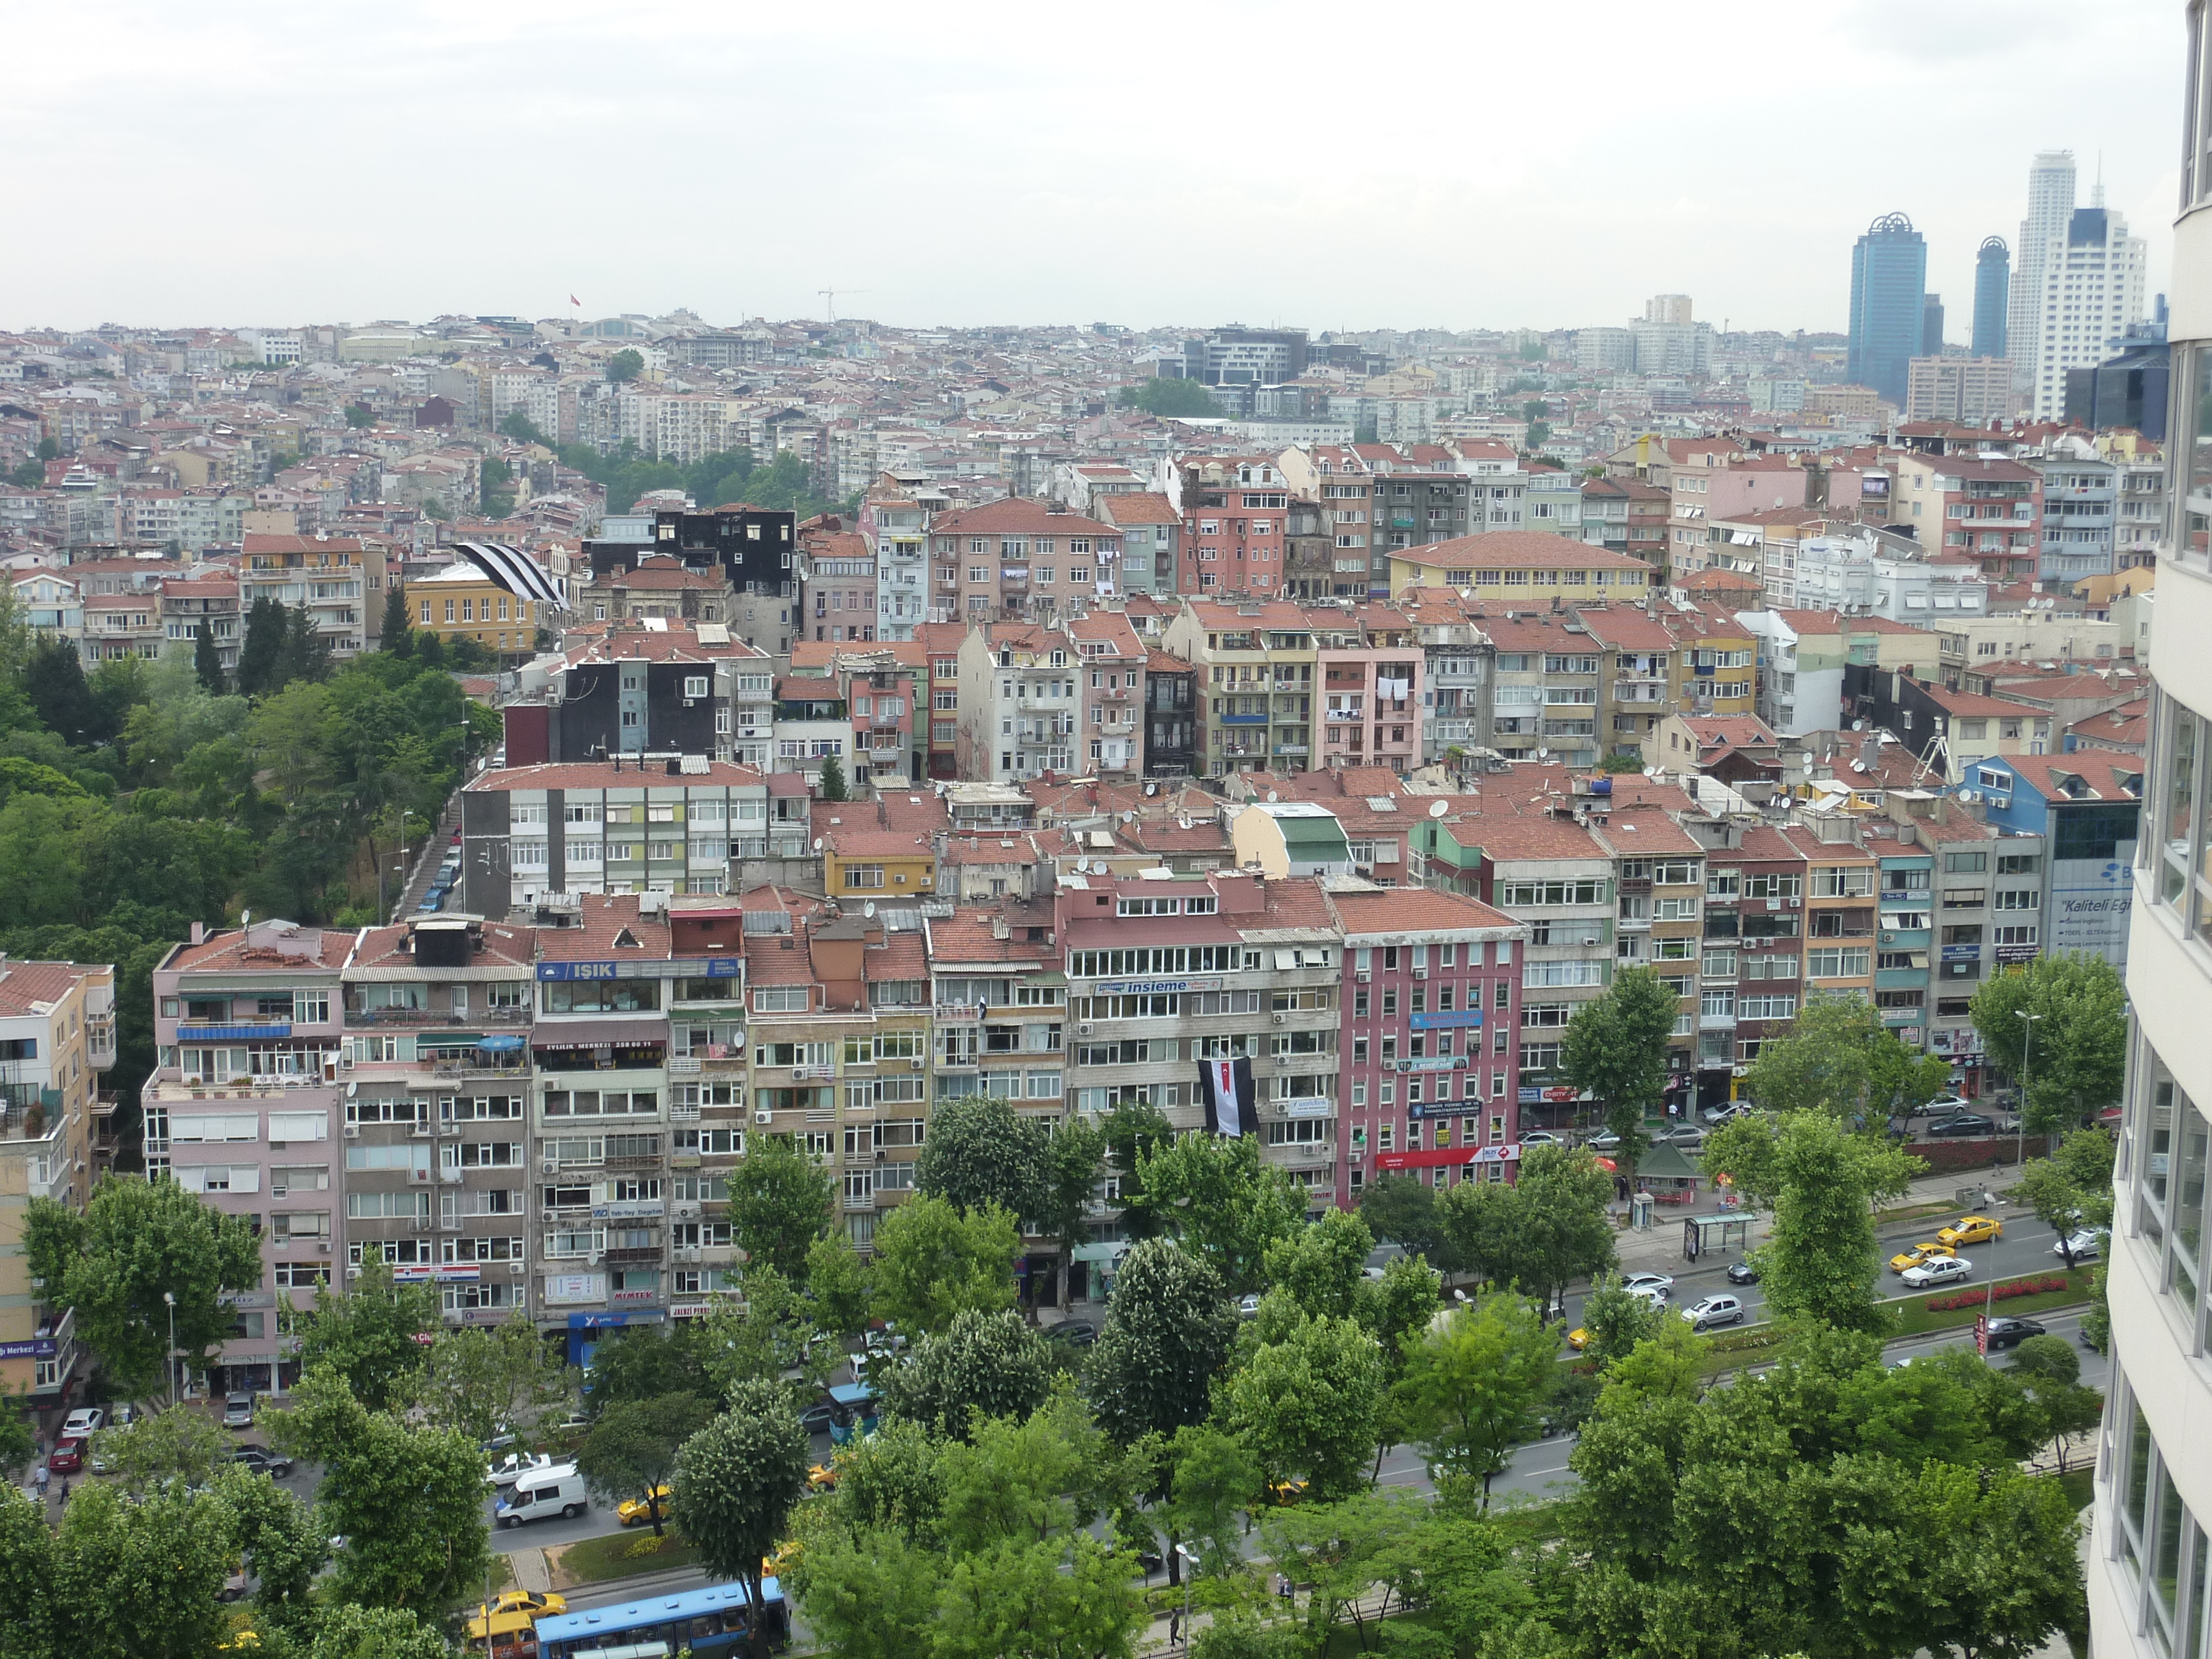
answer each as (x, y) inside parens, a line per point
(1849, 963)
(779, 999)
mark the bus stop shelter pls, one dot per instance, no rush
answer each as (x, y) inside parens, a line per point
(1729, 1230)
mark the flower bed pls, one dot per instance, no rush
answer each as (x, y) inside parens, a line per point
(2000, 1293)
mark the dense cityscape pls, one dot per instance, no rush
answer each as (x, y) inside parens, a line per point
(1246, 990)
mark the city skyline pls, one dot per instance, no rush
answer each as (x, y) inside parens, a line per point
(891, 154)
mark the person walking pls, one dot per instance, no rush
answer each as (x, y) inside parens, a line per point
(1175, 1626)
(40, 1479)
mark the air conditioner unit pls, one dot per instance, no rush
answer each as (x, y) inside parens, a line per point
(1083, 1030)
(515, 1267)
(275, 1145)
(418, 1130)
(1589, 939)
(1795, 904)
(763, 1117)
(1970, 796)
(1420, 973)
(345, 1062)
(323, 1245)
(1362, 975)
(353, 1132)
(1889, 939)
(799, 1071)
(596, 1257)
(915, 1065)
(353, 1272)
(1279, 1019)
(548, 1165)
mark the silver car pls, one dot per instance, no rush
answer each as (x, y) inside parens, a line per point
(1715, 1310)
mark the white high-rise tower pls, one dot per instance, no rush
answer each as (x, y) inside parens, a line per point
(2094, 278)
(2050, 205)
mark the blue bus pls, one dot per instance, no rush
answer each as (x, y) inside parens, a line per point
(855, 1405)
(715, 1619)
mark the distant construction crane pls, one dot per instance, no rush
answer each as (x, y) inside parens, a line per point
(832, 294)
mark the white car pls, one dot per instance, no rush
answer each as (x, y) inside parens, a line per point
(2085, 1246)
(1647, 1284)
(1540, 1137)
(1937, 1270)
(1715, 1310)
(82, 1422)
(1944, 1105)
(513, 1466)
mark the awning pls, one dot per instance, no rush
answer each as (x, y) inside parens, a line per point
(503, 1043)
(600, 1034)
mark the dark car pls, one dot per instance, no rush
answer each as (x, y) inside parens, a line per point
(262, 1462)
(2011, 1333)
(1963, 1124)
(67, 1456)
(1076, 1332)
(819, 1419)
(1742, 1273)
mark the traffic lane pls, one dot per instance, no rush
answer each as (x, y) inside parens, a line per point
(2024, 1247)
(597, 1521)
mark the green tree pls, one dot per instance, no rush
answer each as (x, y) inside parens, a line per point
(631, 1449)
(366, 1333)
(2072, 1189)
(1169, 1329)
(352, 1631)
(1615, 1050)
(830, 785)
(1166, 397)
(1404, 1211)
(18, 1436)
(30, 475)
(408, 1500)
(838, 1281)
(1339, 1552)
(625, 366)
(1320, 1264)
(137, 1242)
(1133, 1131)
(981, 1152)
(489, 1379)
(1069, 1168)
(932, 1262)
(48, 450)
(781, 1201)
(1215, 1482)
(1838, 1056)
(1475, 1381)
(1540, 1232)
(54, 680)
(518, 426)
(181, 1444)
(1821, 1181)
(360, 415)
(736, 1481)
(2050, 1372)
(1307, 1400)
(396, 633)
(1215, 1194)
(647, 1362)
(307, 654)
(1617, 1322)
(261, 657)
(2075, 1063)
(207, 662)
(768, 1336)
(135, 1578)
(981, 1363)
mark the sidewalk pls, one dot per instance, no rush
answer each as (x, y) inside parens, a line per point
(1659, 1249)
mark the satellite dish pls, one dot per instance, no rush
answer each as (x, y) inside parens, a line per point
(1438, 807)
(1272, 796)
(1543, 754)
(869, 909)
(1183, 823)
(1858, 725)
(817, 843)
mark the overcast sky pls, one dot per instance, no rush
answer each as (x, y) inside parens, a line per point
(1474, 164)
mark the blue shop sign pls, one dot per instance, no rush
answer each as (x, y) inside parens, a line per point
(1447, 1022)
(651, 967)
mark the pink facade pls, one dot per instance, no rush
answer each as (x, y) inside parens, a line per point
(1367, 709)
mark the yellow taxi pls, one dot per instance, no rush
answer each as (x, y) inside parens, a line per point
(1578, 1339)
(636, 1512)
(822, 1477)
(1283, 1493)
(1974, 1229)
(537, 1603)
(1918, 1254)
(785, 1558)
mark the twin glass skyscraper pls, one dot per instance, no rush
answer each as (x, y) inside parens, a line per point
(1889, 285)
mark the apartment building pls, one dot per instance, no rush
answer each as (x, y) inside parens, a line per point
(639, 689)
(1659, 887)
(1751, 969)
(438, 1120)
(121, 627)
(497, 596)
(1805, 659)
(1522, 566)
(2087, 809)
(57, 1039)
(1235, 529)
(2150, 1553)
(1151, 532)
(604, 827)
(1255, 688)
(1458, 665)
(662, 587)
(837, 585)
(1163, 975)
(190, 603)
(1429, 993)
(331, 575)
(1369, 703)
(1111, 690)
(1840, 897)
(1171, 716)
(249, 1032)
(894, 521)
(1546, 688)
(1018, 560)
(1020, 702)
(1627, 515)
(1986, 507)
(1340, 484)
(2081, 516)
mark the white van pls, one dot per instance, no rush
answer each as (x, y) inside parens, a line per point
(543, 1493)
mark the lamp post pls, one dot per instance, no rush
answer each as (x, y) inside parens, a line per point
(170, 1360)
(1189, 1573)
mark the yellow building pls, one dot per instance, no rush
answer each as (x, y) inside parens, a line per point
(864, 862)
(1516, 565)
(496, 603)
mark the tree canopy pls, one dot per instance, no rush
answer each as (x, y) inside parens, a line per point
(1838, 1056)
(2059, 1026)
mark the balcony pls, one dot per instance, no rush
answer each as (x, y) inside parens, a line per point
(423, 1019)
(642, 1255)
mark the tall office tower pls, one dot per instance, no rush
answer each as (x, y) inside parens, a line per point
(2149, 1571)
(1992, 289)
(2093, 288)
(1668, 309)
(1931, 325)
(1889, 278)
(2050, 205)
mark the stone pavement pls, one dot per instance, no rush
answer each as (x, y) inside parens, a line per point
(529, 1569)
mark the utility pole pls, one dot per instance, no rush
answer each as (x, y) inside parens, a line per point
(2027, 1050)
(170, 1298)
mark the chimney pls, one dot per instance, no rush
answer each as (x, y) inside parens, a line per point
(1870, 750)
(199, 933)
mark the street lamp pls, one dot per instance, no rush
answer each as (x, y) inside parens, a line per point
(1189, 1575)
(170, 1362)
